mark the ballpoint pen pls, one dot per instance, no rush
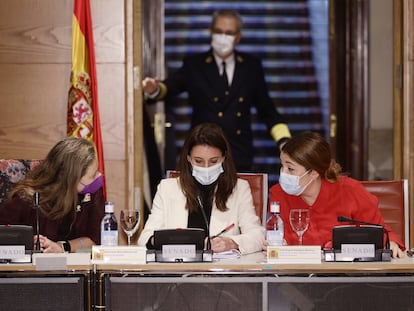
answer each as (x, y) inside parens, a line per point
(222, 231)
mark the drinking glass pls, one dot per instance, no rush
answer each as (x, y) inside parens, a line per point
(129, 222)
(299, 220)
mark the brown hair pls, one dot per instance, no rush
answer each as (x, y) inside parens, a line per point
(57, 177)
(312, 151)
(212, 135)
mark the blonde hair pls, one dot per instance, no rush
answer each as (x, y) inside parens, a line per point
(57, 177)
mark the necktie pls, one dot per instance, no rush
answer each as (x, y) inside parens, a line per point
(224, 77)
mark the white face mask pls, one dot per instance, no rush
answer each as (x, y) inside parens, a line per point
(290, 183)
(222, 44)
(207, 175)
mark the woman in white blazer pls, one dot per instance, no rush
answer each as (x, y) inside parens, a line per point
(207, 192)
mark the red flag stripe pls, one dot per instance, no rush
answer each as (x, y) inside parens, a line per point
(83, 19)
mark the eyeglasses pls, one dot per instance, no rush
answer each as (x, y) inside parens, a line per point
(226, 32)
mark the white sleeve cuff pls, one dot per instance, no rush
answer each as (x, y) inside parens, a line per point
(154, 94)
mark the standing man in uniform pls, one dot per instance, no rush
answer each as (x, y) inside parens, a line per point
(223, 84)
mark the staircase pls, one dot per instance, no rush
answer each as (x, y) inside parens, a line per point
(295, 63)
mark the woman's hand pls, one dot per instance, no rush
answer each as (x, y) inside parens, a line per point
(48, 246)
(264, 246)
(222, 244)
(397, 252)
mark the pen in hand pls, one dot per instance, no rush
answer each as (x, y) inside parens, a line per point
(222, 231)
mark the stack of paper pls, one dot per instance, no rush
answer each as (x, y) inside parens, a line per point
(233, 253)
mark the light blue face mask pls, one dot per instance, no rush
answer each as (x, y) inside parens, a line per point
(207, 175)
(290, 183)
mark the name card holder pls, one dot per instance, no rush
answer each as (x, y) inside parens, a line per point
(50, 261)
(294, 254)
(357, 253)
(14, 254)
(179, 253)
(118, 255)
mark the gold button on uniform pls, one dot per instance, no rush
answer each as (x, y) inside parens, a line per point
(238, 132)
(241, 99)
(216, 99)
(238, 114)
(220, 114)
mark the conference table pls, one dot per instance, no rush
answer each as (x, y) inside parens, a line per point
(250, 283)
(56, 282)
(245, 283)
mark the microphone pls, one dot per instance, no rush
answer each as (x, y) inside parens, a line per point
(359, 222)
(346, 219)
(36, 204)
(206, 221)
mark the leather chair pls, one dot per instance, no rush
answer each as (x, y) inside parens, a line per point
(259, 187)
(393, 202)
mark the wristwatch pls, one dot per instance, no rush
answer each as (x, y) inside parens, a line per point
(66, 246)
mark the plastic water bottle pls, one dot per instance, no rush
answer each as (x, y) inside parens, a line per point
(274, 226)
(109, 226)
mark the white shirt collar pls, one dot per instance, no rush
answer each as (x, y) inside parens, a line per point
(230, 65)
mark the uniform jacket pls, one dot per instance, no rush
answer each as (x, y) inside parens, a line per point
(168, 212)
(199, 76)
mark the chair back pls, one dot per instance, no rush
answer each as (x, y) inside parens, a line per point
(11, 172)
(393, 203)
(259, 187)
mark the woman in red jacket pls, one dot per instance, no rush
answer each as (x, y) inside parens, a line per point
(311, 179)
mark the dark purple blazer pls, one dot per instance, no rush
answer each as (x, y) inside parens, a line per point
(87, 216)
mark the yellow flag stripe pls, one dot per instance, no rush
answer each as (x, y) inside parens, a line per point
(80, 55)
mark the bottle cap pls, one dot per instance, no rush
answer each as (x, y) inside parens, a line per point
(274, 207)
(109, 207)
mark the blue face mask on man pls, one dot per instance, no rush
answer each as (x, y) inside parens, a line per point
(222, 44)
(290, 183)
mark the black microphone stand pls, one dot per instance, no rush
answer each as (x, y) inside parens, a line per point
(208, 253)
(36, 205)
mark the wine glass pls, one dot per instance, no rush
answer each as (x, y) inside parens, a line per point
(129, 222)
(299, 220)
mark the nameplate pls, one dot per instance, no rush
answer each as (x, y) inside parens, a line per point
(119, 255)
(358, 250)
(50, 261)
(179, 251)
(12, 251)
(294, 254)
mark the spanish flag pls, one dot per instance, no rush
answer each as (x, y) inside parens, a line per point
(83, 111)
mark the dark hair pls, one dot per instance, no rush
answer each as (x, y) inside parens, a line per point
(209, 134)
(312, 151)
(227, 13)
(56, 178)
